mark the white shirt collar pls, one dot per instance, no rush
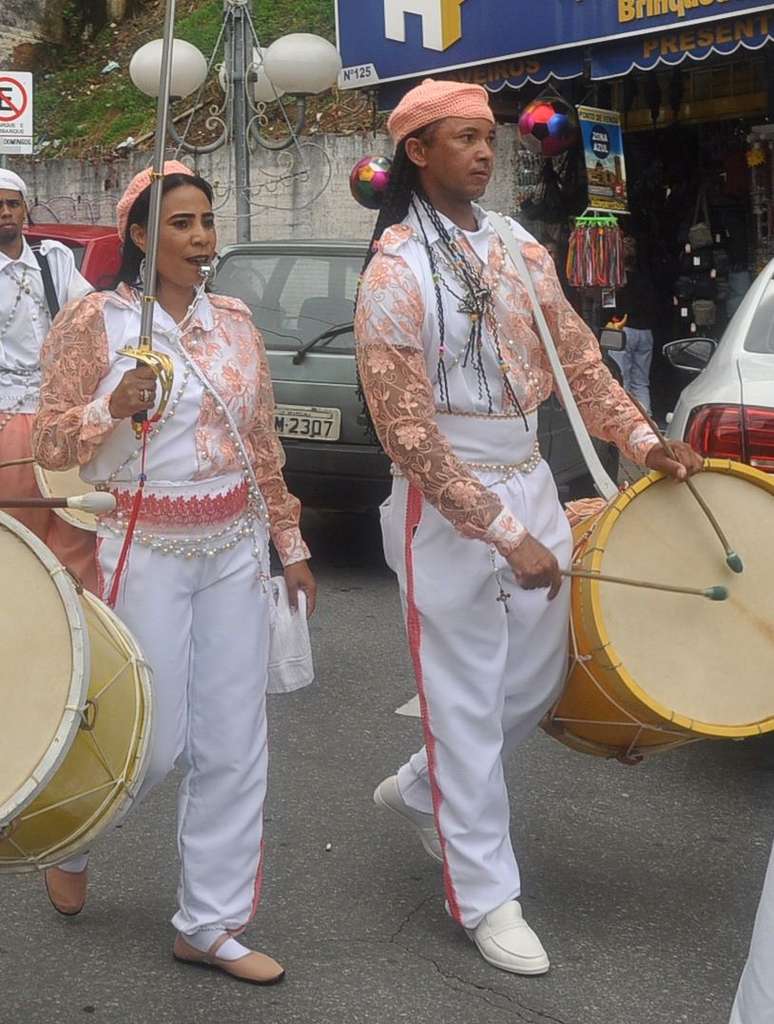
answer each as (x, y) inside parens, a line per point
(201, 314)
(26, 259)
(478, 239)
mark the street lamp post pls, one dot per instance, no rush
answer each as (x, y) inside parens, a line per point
(251, 77)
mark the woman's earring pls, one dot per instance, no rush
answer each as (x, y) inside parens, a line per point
(141, 273)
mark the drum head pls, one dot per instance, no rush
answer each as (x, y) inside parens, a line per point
(65, 484)
(45, 665)
(703, 664)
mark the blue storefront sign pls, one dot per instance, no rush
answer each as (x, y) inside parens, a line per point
(387, 40)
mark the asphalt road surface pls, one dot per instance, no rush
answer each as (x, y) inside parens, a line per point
(642, 882)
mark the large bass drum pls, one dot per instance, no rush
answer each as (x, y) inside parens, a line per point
(76, 704)
(651, 670)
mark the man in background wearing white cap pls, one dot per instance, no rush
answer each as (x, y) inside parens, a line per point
(27, 305)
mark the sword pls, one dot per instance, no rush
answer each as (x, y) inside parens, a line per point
(143, 353)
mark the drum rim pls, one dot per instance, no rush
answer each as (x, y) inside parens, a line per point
(79, 680)
(595, 555)
(122, 801)
(42, 481)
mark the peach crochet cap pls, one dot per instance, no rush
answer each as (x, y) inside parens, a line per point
(137, 186)
(433, 100)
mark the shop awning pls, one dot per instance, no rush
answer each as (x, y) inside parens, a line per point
(686, 43)
(501, 75)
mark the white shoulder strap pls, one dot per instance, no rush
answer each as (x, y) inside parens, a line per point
(602, 481)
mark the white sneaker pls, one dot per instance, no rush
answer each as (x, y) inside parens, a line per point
(505, 940)
(387, 794)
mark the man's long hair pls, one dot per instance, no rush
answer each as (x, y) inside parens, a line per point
(404, 184)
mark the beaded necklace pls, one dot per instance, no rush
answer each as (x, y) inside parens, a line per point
(475, 299)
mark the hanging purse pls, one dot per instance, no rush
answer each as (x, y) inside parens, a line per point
(704, 312)
(700, 234)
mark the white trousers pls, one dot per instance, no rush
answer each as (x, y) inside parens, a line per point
(754, 1003)
(485, 677)
(203, 626)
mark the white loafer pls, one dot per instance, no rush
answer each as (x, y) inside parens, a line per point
(387, 795)
(505, 940)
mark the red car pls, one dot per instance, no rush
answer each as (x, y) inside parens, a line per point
(96, 248)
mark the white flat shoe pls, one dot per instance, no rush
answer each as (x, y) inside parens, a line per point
(387, 795)
(505, 940)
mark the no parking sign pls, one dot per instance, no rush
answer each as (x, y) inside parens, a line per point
(15, 112)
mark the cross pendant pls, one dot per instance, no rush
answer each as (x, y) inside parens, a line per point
(503, 597)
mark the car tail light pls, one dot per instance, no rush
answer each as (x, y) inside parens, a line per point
(742, 433)
(759, 437)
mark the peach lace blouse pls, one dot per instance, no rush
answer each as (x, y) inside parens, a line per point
(81, 367)
(397, 333)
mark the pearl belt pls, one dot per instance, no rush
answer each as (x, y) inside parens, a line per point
(505, 470)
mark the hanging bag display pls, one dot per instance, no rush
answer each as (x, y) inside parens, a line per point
(700, 234)
(693, 262)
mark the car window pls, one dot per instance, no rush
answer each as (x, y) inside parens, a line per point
(78, 254)
(294, 297)
(760, 337)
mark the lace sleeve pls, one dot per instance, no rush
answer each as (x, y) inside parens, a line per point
(394, 379)
(71, 424)
(268, 460)
(603, 403)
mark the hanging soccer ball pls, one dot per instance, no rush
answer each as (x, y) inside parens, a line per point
(369, 180)
(548, 126)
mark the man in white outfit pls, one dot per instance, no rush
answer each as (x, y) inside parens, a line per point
(454, 372)
(34, 284)
(754, 1003)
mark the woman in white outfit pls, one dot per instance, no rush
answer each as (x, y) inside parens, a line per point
(194, 590)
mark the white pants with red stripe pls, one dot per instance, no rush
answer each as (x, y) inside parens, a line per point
(754, 1003)
(485, 678)
(203, 626)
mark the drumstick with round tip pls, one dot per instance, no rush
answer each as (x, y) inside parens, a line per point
(733, 560)
(95, 502)
(718, 593)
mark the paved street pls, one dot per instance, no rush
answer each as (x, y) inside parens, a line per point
(642, 882)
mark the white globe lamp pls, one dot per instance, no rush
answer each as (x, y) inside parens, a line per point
(302, 63)
(189, 68)
(264, 90)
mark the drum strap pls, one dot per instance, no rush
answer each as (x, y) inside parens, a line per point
(52, 300)
(602, 481)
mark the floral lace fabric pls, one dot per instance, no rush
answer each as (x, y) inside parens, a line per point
(391, 327)
(74, 424)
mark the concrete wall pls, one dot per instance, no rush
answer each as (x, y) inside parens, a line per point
(315, 205)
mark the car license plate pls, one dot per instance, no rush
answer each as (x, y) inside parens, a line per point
(309, 422)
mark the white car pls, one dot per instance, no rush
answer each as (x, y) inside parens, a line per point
(728, 411)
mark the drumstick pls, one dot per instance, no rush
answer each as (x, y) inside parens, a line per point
(96, 502)
(711, 593)
(16, 462)
(733, 561)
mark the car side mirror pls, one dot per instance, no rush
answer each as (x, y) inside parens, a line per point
(690, 354)
(612, 339)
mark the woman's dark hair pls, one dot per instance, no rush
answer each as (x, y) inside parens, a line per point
(131, 255)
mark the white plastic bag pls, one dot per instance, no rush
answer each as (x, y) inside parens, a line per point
(290, 649)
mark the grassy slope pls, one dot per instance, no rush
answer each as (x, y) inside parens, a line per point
(90, 113)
